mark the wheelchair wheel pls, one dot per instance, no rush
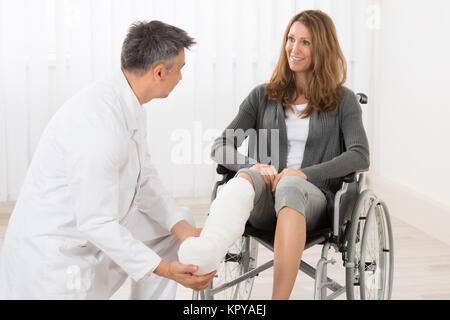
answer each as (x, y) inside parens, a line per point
(240, 258)
(370, 250)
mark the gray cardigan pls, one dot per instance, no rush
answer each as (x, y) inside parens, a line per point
(336, 145)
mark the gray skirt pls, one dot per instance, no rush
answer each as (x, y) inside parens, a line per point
(293, 192)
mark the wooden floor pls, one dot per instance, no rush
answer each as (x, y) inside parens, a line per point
(422, 263)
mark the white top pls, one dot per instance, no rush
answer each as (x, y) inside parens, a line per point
(297, 134)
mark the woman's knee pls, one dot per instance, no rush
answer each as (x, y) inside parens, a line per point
(290, 183)
(257, 182)
(290, 192)
(247, 177)
(254, 177)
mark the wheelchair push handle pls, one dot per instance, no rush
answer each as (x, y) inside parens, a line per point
(362, 98)
(350, 178)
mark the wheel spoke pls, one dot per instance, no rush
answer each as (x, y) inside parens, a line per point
(241, 257)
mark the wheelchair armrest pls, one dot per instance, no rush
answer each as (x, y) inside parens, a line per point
(350, 178)
(227, 174)
(354, 177)
(222, 170)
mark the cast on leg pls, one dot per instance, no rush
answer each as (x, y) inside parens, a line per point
(224, 225)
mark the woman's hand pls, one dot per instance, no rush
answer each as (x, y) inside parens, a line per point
(285, 173)
(268, 172)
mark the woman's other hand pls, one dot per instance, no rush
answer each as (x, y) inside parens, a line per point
(268, 172)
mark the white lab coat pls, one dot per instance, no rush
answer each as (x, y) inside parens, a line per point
(90, 200)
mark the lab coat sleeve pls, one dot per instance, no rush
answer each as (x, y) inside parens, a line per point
(155, 200)
(94, 156)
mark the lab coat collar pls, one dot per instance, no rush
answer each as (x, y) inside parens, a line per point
(130, 103)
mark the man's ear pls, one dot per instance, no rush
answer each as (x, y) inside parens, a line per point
(159, 71)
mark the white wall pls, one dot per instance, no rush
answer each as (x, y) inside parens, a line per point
(49, 49)
(397, 51)
(412, 105)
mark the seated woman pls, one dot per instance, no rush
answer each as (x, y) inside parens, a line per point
(307, 103)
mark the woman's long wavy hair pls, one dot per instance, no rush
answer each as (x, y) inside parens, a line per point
(328, 71)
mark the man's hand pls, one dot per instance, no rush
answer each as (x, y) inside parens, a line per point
(183, 275)
(268, 172)
(285, 173)
(184, 230)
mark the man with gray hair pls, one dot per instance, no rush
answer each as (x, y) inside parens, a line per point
(92, 210)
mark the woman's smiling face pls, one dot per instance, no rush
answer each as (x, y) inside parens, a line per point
(298, 48)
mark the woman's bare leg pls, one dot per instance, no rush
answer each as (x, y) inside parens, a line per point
(290, 238)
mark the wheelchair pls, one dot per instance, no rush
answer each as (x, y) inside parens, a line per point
(359, 229)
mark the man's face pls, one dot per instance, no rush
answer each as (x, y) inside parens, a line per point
(173, 76)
